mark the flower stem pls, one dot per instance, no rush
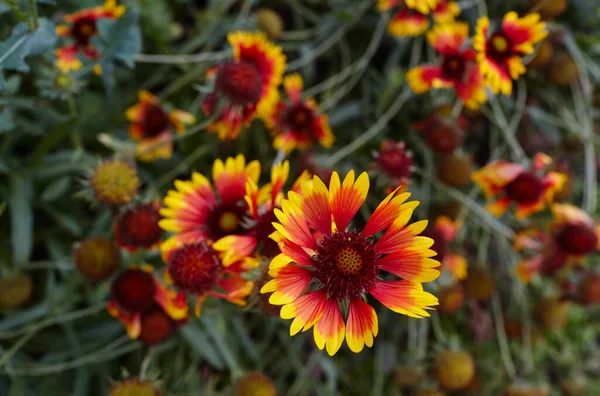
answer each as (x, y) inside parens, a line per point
(34, 14)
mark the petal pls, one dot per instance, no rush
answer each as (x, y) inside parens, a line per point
(174, 304)
(236, 289)
(500, 206)
(279, 175)
(448, 38)
(346, 199)
(400, 235)
(422, 78)
(235, 247)
(293, 86)
(493, 177)
(408, 23)
(293, 224)
(295, 252)
(361, 326)
(385, 214)
(404, 297)
(306, 311)
(456, 265)
(131, 321)
(329, 331)
(314, 203)
(288, 284)
(411, 264)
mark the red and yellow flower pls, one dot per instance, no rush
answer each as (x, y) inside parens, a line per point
(297, 123)
(443, 232)
(148, 310)
(248, 84)
(456, 69)
(137, 227)
(152, 127)
(395, 161)
(81, 26)
(412, 18)
(512, 182)
(540, 254)
(324, 264)
(574, 231)
(500, 54)
(261, 203)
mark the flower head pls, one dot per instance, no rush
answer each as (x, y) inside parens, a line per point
(500, 54)
(454, 369)
(254, 384)
(510, 182)
(138, 300)
(411, 18)
(247, 84)
(323, 263)
(115, 182)
(80, 27)
(441, 135)
(134, 387)
(96, 258)
(15, 290)
(152, 126)
(574, 231)
(395, 161)
(456, 68)
(297, 123)
(137, 227)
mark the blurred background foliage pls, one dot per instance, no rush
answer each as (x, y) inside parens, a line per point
(56, 337)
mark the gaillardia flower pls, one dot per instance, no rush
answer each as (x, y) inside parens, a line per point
(443, 233)
(539, 254)
(394, 161)
(134, 387)
(96, 258)
(152, 127)
(456, 69)
(247, 85)
(114, 182)
(513, 183)
(325, 265)
(137, 227)
(412, 18)
(298, 124)
(574, 231)
(81, 27)
(148, 310)
(198, 269)
(500, 54)
(261, 203)
(195, 212)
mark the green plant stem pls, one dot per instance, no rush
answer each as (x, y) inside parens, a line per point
(437, 328)
(509, 366)
(182, 59)
(34, 13)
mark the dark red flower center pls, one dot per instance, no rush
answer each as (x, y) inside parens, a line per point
(240, 82)
(346, 264)
(195, 268)
(300, 118)
(134, 290)
(453, 67)
(526, 188)
(83, 29)
(138, 227)
(499, 47)
(578, 239)
(395, 161)
(156, 120)
(226, 220)
(156, 326)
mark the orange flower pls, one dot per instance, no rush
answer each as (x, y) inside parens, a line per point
(456, 69)
(412, 16)
(248, 84)
(152, 127)
(298, 124)
(323, 263)
(81, 27)
(500, 55)
(513, 183)
(148, 309)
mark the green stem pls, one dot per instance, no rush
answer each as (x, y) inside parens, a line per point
(34, 13)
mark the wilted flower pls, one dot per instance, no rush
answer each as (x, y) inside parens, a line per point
(152, 126)
(115, 182)
(514, 183)
(500, 54)
(323, 263)
(411, 18)
(148, 310)
(457, 68)
(96, 258)
(137, 227)
(248, 84)
(81, 26)
(298, 123)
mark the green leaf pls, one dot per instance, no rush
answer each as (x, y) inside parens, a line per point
(23, 43)
(56, 189)
(7, 122)
(50, 140)
(200, 343)
(21, 217)
(63, 220)
(120, 39)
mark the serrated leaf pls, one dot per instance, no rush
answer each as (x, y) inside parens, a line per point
(21, 218)
(23, 43)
